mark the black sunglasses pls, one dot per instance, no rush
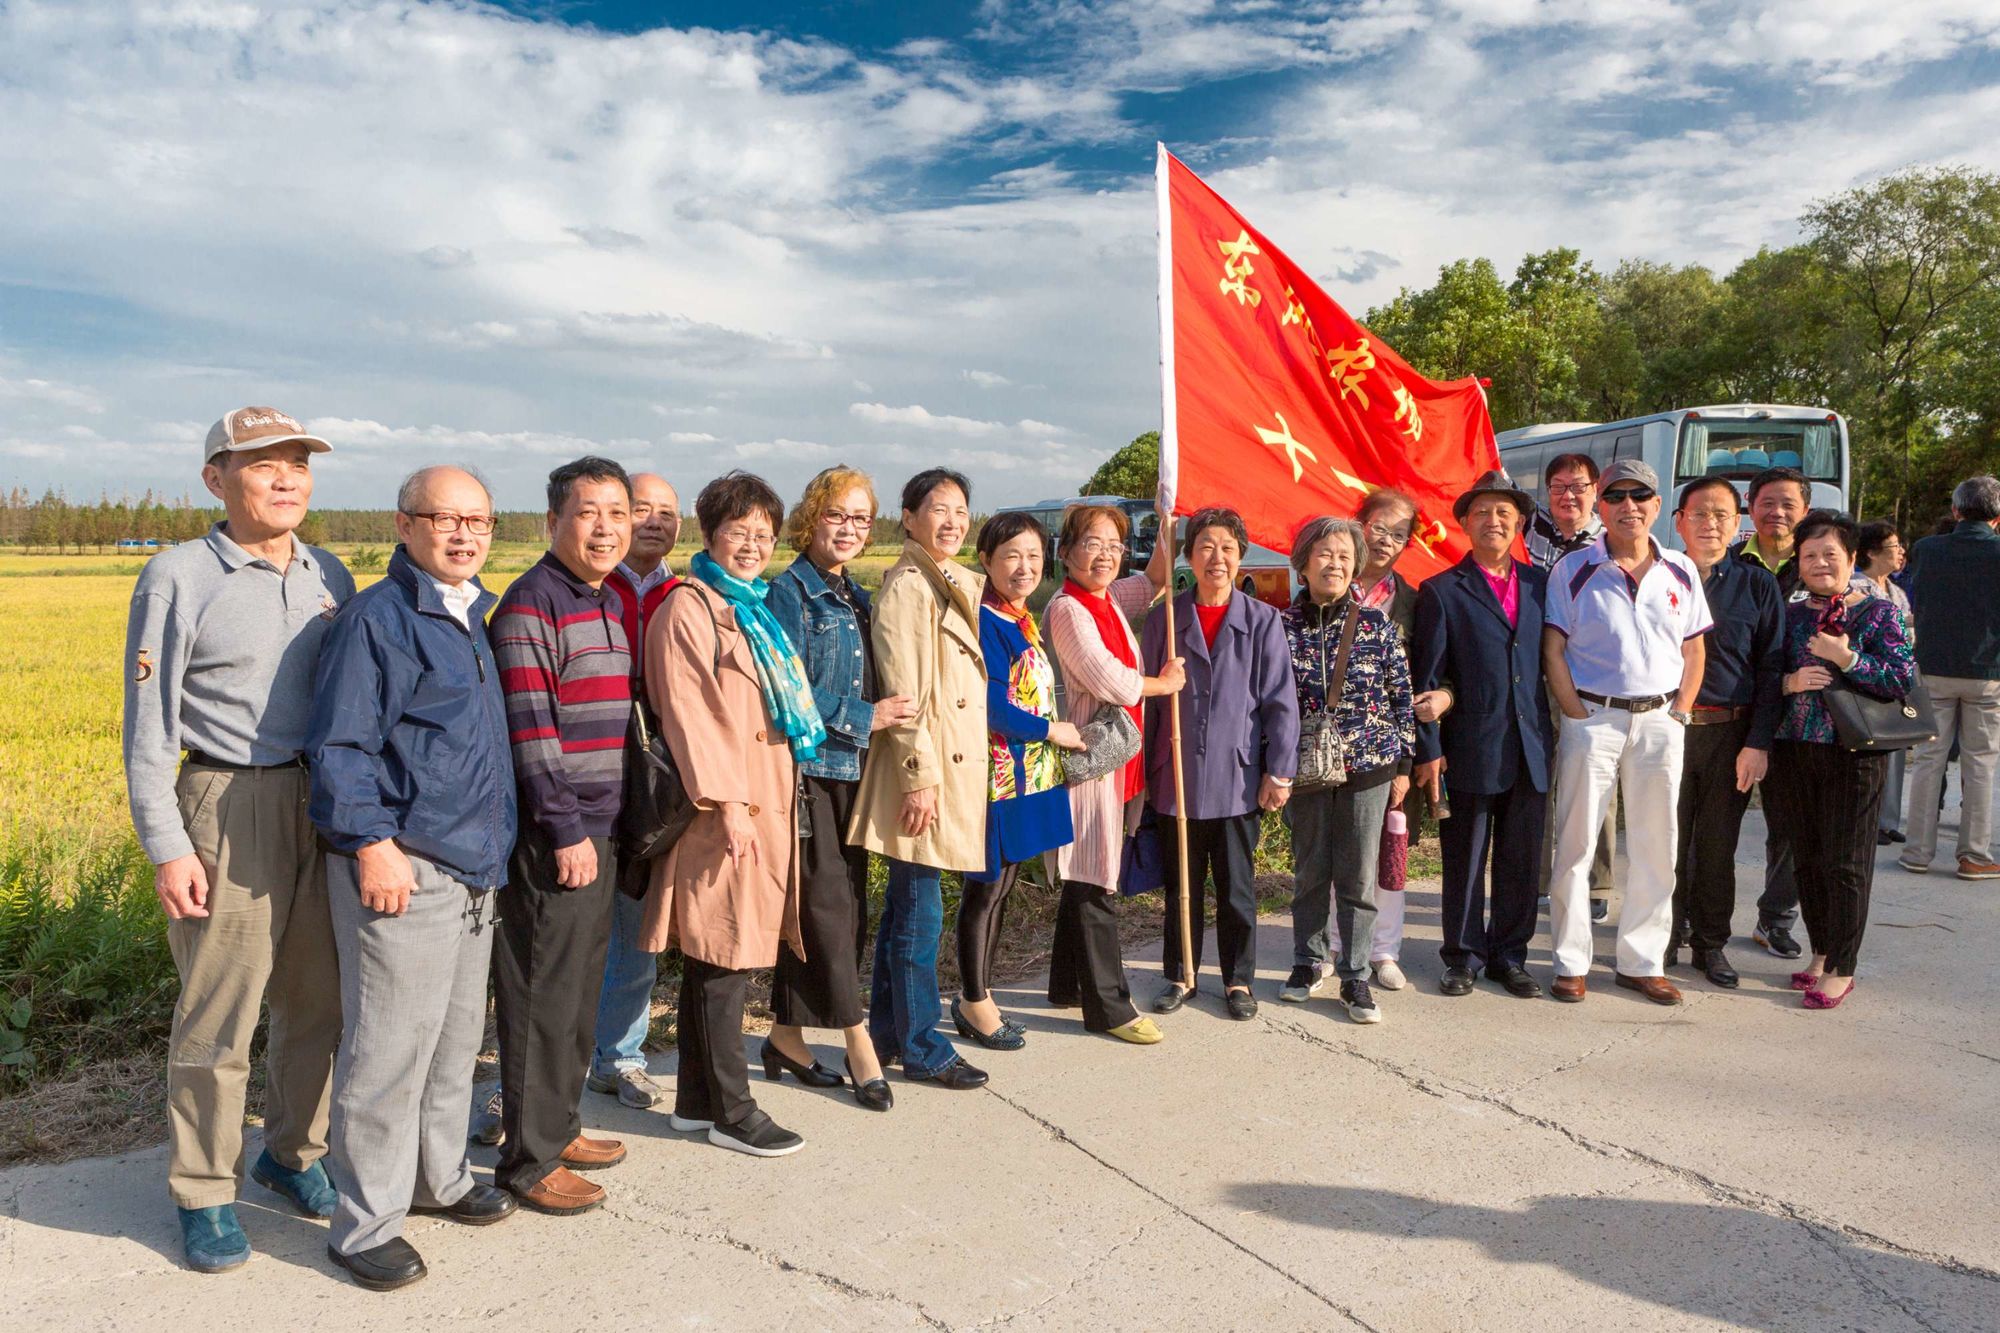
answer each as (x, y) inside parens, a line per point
(1636, 494)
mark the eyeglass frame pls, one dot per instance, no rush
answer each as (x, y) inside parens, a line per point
(436, 517)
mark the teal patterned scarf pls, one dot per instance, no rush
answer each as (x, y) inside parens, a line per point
(781, 675)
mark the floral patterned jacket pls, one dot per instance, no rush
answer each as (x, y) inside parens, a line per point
(1886, 666)
(1373, 711)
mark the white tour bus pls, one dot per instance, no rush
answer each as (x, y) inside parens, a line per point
(1733, 440)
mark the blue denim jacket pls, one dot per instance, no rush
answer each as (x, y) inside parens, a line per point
(828, 639)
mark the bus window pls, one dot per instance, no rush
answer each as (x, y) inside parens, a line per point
(1740, 450)
(1626, 446)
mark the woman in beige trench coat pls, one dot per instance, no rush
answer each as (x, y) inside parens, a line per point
(922, 802)
(726, 892)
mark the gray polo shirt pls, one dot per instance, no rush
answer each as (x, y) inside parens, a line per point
(220, 651)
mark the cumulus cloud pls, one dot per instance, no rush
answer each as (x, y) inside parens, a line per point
(987, 379)
(920, 417)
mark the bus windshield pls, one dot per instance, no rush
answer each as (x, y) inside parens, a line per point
(1740, 450)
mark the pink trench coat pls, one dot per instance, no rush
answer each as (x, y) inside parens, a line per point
(1093, 678)
(714, 910)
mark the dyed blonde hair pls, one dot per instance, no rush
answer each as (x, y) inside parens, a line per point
(820, 493)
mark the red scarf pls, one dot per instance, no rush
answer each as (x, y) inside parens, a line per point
(1117, 641)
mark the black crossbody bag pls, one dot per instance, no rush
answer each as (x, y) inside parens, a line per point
(657, 808)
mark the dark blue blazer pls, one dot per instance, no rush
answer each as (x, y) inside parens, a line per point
(1497, 731)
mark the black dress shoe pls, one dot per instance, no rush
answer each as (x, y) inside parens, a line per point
(392, 1264)
(1006, 1037)
(777, 1064)
(1714, 964)
(1172, 997)
(1456, 981)
(1515, 980)
(874, 1095)
(480, 1206)
(958, 1076)
(1242, 1005)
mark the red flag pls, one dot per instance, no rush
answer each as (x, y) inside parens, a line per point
(1279, 405)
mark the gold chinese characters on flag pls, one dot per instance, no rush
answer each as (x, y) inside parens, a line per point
(1279, 405)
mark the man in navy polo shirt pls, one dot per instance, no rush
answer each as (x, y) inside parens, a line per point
(1623, 653)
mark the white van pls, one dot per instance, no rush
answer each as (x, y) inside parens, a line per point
(1732, 440)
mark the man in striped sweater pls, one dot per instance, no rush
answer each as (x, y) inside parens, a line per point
(566, 671)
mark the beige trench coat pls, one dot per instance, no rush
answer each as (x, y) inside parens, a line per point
(725, 914)
(926, 641)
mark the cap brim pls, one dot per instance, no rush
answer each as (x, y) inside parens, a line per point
(313, 443)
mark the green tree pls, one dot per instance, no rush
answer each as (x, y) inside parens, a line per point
(1134, 471)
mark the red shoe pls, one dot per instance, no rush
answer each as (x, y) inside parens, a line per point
(1805, 981)
(1819, 999)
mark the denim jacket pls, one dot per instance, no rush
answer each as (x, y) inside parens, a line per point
(830, 642)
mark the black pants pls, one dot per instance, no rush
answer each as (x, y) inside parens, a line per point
(1830, 799)
(1226, 847)
(1508, 825)
(1085, 967)
(713, 1082)
(823, 989)
(1711, 818)
(1778, 905)
(548, 961)
(982, 908)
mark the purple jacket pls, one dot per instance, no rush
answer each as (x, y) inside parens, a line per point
(1239, 712)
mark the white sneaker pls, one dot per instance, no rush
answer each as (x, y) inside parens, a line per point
(1389, 976)
(687, 1126)
(1305, 982)
(1913, 867)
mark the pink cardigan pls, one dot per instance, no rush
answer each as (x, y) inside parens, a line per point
(1092, 677)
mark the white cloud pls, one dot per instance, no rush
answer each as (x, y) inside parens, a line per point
(920, 417)
(987, 379)
(690, 437)
(50, 393)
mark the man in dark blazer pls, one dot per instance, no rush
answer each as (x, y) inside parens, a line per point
(1478, 637)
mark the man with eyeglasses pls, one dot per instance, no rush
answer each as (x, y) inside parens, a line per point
(1623, 653)
(1734, 719)
(1568, 522)
(566, 669)
(413, 789)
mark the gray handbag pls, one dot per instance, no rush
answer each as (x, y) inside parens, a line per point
(1322, 752)
(1110, 740)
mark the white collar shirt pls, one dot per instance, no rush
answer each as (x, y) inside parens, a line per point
(1622, 638)
(458, 601)
(641, 585)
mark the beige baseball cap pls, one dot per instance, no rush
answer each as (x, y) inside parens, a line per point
(257, 428)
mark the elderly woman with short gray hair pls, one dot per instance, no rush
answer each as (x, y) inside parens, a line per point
(1357, 738)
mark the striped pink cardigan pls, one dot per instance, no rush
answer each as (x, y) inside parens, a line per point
(1092, 677)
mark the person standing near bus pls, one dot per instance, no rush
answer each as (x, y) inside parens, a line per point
(1567, 521)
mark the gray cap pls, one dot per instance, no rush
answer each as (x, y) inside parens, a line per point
(1628, 469)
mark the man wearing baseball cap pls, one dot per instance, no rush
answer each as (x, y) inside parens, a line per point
(221, 645)
(1623, 652)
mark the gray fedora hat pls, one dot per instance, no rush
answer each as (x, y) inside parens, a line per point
(1496, 482)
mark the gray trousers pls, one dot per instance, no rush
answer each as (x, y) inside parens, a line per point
(1336, 848)
(413, 990)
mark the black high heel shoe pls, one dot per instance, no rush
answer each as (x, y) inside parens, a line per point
(874, 1095)
(814, 1075)
(1004, 1038)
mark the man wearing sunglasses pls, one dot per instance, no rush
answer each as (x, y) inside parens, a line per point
(1623, 653)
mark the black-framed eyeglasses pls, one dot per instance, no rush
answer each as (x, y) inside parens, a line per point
(479, 525)
(1636, 494)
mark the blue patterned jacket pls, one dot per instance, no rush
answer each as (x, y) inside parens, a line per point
(1373, 711)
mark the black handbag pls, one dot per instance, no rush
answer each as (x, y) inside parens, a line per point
(1878, 726)
(657, 808)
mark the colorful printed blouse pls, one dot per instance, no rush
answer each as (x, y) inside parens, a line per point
(1886, 666)
(1029, 812)
(1373, 711)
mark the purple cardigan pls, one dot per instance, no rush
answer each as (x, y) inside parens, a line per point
(1239, 712)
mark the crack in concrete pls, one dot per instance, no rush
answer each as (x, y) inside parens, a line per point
(1844, 1255)
(1063, 1137)
(1083, 1275)
(831, 1281)
(1638, 1030)
(1716, 1190)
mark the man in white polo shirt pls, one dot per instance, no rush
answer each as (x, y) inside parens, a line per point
(1622, 650)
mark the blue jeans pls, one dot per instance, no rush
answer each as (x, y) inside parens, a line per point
(903, 999)
(624, 1005)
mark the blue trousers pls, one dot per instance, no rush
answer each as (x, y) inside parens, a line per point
(625, 1002)
(903, 1004)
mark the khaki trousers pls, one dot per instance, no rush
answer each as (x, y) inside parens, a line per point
(267, 936)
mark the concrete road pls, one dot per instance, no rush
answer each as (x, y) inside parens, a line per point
(1475, 1163)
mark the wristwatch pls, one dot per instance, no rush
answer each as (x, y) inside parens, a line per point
(1685, 719)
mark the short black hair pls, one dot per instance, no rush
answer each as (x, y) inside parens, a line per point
(588, 468)
(735, 495)
(997, 531)
(1708, 484)
(1772, 475)
(1820, 522)
(1583, 463)
(1875, 536)
(918, 488)
(1215, 516)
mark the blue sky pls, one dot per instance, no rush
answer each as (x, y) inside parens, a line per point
(775, 236)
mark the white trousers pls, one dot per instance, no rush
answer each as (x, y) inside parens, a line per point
(1640, 754)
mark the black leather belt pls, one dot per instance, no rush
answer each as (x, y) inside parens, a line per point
(1629, 705)
(210, 761)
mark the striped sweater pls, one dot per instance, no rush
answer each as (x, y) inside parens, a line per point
(566, 670)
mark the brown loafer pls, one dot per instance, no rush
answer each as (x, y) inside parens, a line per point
(592, 1154)
(561, 1192)
(1568, 989)
(1657, 989)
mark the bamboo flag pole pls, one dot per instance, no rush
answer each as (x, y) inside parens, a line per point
(1168, 485)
